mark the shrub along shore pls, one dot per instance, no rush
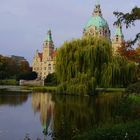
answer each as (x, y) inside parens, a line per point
(123, 131)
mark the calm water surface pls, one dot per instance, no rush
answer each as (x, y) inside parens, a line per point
(42, 115)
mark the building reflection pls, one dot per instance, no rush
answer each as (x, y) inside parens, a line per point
(43, 103)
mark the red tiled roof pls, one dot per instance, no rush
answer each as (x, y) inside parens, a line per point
(55, 53)
(40, 56)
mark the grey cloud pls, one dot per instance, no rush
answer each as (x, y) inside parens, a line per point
(24, 23)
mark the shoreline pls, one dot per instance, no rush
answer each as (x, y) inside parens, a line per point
(51, 89)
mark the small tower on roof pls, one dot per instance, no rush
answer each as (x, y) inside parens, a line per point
(48, 41)
(118, 39)
(97, 10)
(48, 47)
(49, 36)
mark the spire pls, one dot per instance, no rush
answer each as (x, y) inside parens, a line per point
(97, 10)
(49, 36)
(97, 2)
(119, 32)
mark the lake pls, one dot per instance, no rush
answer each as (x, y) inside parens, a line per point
(47, 116)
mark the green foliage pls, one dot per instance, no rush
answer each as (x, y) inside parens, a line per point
(133, 88)
(128, 131)
(8, 82)
(10, 68)
(49, 89)
(119, 72)
(83, 84)
(27, 76)
(51, 80)
(85, 63)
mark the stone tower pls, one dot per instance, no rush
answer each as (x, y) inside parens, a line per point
(97, 26)
(44, 62)
(118, 39)
(48, 47)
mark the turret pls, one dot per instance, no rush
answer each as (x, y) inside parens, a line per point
(118, 39)
(97, 10)
(48, 48)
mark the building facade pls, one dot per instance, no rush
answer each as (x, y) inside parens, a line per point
(44, 62)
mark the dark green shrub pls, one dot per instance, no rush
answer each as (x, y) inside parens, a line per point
(51, 80)
(27, 76)
(128, 131)
(133, 88)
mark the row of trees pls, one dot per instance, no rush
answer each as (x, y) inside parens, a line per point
(87, 63)
(11, 69)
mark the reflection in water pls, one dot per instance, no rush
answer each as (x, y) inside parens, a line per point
(62, 117)
(67, 116)
(43, 103)
(13, 99)
(74, 115)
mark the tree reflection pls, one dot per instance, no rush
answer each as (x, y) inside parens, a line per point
(67, 116)
(12, 99)
(74, 115)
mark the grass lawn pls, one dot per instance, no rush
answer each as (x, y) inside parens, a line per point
(42, 88)
(111, 89)
(8, 82)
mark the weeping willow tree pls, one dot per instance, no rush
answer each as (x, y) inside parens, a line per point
(86, 63)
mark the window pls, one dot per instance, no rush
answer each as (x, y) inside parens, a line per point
(117, 38)
(49, 67)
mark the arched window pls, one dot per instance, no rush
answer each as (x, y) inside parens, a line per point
(49, 67)
(117, 38)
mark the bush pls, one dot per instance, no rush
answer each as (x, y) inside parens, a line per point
(128, 131)
(51, 80)
(27, 76)
(82, 85)
(133, 88)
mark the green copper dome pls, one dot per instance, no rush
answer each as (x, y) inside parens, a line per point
(96, 21)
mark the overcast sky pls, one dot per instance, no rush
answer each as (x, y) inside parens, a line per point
(24, 23)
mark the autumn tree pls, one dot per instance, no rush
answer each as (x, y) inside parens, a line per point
(24, 66)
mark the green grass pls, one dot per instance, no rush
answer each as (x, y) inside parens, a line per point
(8, 82)
(111, 89)
(42, 88)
